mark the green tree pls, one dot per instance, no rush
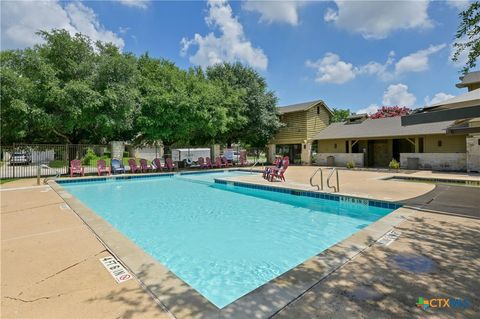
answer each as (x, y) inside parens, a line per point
(340, 115)
(468, 36)
(253, 119)
(178, 106)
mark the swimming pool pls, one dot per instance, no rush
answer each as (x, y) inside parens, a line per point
(222, 240)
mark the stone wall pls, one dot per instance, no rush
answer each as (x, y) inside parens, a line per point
(341, 159)
(473, 154)
(437, 161)
(117, 148)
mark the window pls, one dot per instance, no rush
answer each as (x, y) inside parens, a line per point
(439, 143)
(318, 110)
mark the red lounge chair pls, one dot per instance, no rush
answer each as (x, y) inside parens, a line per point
(157, 165)
(279, 172)
(218, 163)
(102, 167)
(133, 166)
(169, 164)
(243, 158)
(76, 168)
(208, 162)
(201, 162)
(144, 167)
(269, 169)
(225, 161)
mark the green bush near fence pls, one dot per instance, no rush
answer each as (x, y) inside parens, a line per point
(90, 158)
(57, 164)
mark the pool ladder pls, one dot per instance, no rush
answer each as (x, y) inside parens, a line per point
(321, 179)
(335, 189)
(320, 187)
(251, 168)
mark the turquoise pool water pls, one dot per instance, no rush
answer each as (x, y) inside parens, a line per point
(223, 240)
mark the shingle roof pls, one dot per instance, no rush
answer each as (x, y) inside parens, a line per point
(374, 128)
(469, 78)
(300, 107)
(471, 98)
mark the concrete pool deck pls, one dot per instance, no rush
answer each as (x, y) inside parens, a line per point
(49, 238)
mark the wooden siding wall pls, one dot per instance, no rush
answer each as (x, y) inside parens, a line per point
(317, 122)
(450, 144)
(302, 125)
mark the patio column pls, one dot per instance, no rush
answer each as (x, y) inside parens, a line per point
(215, 151)
(117, 149)
(306, 155)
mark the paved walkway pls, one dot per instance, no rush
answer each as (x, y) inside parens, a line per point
(50, 264)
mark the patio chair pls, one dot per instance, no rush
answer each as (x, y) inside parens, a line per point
(243, 158)
(208, 162)
(133, 166)
(201, 162)
(102, 167)
(117, 166)
(169, 164)
(144, 167)
(76, 168)
(225, 161)
(269, 169)
(279, 172)
(218, 162)
(157, 165)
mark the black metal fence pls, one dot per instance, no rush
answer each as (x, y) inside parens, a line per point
(28, 160)
(31, 160)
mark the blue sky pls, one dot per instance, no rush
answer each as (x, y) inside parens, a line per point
(356, 55)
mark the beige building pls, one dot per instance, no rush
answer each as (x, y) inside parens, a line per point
(302, 122)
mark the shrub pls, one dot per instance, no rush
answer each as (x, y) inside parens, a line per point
(57, 164)
(350, 164)
(89, 157)
(394, 164)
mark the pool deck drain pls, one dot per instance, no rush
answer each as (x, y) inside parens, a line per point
(263, 302)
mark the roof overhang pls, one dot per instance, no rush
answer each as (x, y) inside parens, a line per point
(441, 115)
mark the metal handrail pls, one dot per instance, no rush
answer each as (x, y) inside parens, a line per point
(251, 168)
(321, 178)
(46, 179)
(335, 189)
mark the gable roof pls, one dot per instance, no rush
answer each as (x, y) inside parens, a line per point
(469, 78)
(374, 128)
(301, 107)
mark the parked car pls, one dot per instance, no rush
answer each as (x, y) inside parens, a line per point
(20, 158)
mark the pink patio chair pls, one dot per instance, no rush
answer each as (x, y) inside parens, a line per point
(133, 166)
(208, 162)
(169, 164)
(144, 167)
(243, 158)
(225, 162)
(157, 165)
(102, 167)
(76, 168)
(279, 172)
(218, 162)
(201, 163)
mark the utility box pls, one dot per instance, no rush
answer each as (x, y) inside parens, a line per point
(330, 161)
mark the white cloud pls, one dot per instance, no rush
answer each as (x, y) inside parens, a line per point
(398, 95)
(462, 57)
(437, 98)
(331, 70)
(231, 45)
(418, 61)
(372, 108)
(378, 19)
(142, 4)
(275, 11)
(458, 4)
(21, 19)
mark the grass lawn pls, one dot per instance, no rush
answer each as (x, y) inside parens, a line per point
(7, 180)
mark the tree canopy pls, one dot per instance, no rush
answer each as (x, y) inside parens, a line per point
(71, 90)
(468, 36)
(340, 115)
(390, 111)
